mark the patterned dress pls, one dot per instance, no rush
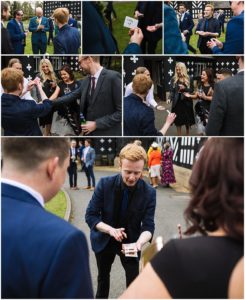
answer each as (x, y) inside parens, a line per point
(167, 173)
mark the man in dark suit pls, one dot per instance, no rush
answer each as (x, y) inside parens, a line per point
(100, 98)
(43, 256)
(88, 159)
(121, 211)
(207, 28)
(98, 39)
(72, 22)
(19, 117)
(186, 25)
(6, 45)
(67, 40)
(234, 40)
(17, 32)
(226, 117)
(149, 13)
(72, 168)
(39, 25)
(51, 29)
(221, 19)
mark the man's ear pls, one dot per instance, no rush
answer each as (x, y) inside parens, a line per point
(52, 166)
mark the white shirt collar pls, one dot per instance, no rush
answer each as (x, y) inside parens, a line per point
(26, 188)
(97, 74)
(240, 70)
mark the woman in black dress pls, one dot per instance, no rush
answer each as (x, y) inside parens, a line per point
(205, 95)
(49, 83)
(182, 105)
(66, 119)
(201, 266)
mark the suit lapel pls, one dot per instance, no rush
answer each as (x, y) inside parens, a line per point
(85, 90)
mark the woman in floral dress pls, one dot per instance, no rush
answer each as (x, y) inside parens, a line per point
(167, 172)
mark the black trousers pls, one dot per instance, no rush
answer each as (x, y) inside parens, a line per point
(72, 171)
(204, 48)
(105, 260)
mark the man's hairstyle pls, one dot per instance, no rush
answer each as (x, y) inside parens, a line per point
(96, 59)
(141, 84)
(61, 14)
(28, 153)
(89, 141)
(182, 4)
(13, 61)
(16, 12)
(226, 72)
(211, 6)
(4, 6)
(132, 152)
(217, 188)
(11, 78)
(141, 70)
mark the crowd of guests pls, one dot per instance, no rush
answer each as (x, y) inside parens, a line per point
(91, 106)
(209, 260)
(210, 24)
(216, 112)
(67, 38)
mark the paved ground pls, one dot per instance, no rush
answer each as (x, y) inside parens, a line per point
(160, 117)
(169, 213)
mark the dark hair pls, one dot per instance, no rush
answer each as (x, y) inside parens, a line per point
(67, 69)
(182, 4)
(29, 153)
(4, 6)
(217, 189)
(16, 12)
(225, 71)
(210, 76)
(89, 141)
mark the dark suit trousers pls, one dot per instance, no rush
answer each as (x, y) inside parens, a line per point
(51, 36)
(89, 171)
(39, 48)
(105, 260)
(204, 48)
(72, 171)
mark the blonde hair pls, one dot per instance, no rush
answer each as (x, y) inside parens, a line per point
(11, 78)
(141, 84)
(184, 74)
(133, 153)
(51, 69)
(13, 61)
(61, 14)
(211, 6)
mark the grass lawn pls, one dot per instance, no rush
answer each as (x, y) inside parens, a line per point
(194, 38)
(57, 205)
(119, 31)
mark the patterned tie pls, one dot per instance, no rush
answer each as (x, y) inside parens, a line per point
(92, 86)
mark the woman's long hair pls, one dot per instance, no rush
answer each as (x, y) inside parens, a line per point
(184, 74)
(51, 69)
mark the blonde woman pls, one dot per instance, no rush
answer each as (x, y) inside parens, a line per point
(49, 83)
(182, 106)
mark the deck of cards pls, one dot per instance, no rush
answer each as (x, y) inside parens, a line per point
(130, 22)
(130, 250)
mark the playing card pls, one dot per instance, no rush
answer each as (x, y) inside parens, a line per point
(130, 22)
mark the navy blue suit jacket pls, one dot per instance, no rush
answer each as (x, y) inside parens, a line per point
(67, 40)
(140, 213)
(72, 22)
(187, 23)
(173, 43)
(17, 36)
(139, 119)
(43, 256)
(19, 117)
(234, 40)
(39, 36)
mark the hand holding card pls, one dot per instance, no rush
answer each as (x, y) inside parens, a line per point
(130, 250)
(130, 22)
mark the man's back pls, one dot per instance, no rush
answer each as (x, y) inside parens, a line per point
(67, 41)
(38, 251)
(226, 116)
